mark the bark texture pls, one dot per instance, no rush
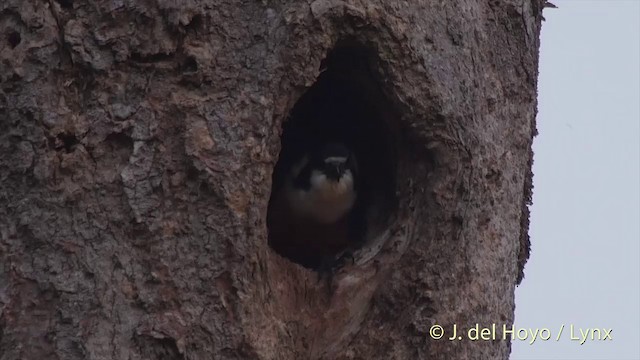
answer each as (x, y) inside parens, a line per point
(137, 145)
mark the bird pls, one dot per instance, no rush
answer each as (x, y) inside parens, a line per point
(310, 215)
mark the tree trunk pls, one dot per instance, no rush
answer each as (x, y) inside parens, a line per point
(138, 141)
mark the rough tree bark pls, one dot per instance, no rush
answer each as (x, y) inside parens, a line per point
(138, 140)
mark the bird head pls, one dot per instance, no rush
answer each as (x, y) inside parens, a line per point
(323, 183)
(334, 162)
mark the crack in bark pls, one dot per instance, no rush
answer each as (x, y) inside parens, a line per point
(65, 53)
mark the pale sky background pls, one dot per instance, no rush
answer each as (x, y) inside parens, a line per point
(585, 224)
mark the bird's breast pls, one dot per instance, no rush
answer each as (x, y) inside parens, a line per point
(326, 202)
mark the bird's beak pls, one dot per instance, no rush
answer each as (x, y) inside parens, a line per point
(334, 172)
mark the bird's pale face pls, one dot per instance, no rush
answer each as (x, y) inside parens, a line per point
(331, 191)
(330, 196)
(331, 185)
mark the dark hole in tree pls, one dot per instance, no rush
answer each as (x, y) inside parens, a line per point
(163, 348)
(14, 39)
(190, 65)
(65, 4)
(196, 23)
(119, 140)
(64, 141)
(346, 104)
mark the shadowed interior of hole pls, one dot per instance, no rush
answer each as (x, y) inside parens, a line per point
(345, 105)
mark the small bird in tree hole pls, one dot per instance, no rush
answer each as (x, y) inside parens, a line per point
(311, 217)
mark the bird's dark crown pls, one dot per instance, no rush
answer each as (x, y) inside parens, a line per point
(333, 160)
(333, 150)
